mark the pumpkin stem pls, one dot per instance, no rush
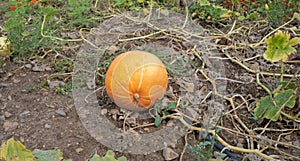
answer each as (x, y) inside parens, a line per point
(136, 97)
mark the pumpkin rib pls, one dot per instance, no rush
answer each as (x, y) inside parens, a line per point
(142, 74)
(124, 88)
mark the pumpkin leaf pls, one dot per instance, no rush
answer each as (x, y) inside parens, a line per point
(109, 156)
(270, 108)
(157, 121)
(280, 46)
(49, 155)
(171, 105)
(14, 150)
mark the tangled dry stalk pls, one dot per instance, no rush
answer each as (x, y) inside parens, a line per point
(241, 129)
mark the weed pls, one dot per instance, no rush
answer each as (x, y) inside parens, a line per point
(37, 86)
(80, 14)
(64, 89)
(24, 29)
(204, 150)
(278, 11)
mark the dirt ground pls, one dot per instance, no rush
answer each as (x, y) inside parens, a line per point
(44, 119)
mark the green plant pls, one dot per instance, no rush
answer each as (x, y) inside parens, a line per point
(161, 113)
(109, 156)
(279, 47)
(24, 29)
(13, 150)
(37, 86)
(204, 150)
(205, 10)
(80, 13)
(64, 89)
(278, 11)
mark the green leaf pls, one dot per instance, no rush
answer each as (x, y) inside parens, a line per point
(280, 46)
(49, 155)
(171, 105)
(157, 121)
(270, 108)
(14, 150)
(110, 156)
(204, 2)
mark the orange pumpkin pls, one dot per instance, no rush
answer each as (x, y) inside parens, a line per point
(136, 80)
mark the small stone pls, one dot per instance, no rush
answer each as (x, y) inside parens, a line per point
(50, 105)
(8, 125)
(104, 111)
(22, 139)
(169, 154)
(170, 123)
(45, 94)
(146, 129)
(7, 114)
(23, 74)
(16, 81)
(131, 120)
(47, 126)
(4, 84)
(9, 97)
(29, 66)
(78, 150)
(2, 118)
(55, 84)
(3, 106)
(121, 117)
(114, 117)
(61, 112)
(38, 68)
(24, 113)
(114, 111)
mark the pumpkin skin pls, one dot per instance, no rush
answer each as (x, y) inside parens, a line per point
(136, 80)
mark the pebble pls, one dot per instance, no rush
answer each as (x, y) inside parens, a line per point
(16, 81)
(22, 139)
(78, 150)
(29, 66)
(131, 120)
(1, 136)
(8, 125)
(4, 84)
(55, 84)
(42, 68)
(50, 105)
(3, 106)
(146, 129)
(61, 112)
(2, 118)
(114, 111)
(7, 114)
(114, 117)
(169, 154)
(45, 94)
(170, 123)
(47, 126)
(104, 111)
(25, 113)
